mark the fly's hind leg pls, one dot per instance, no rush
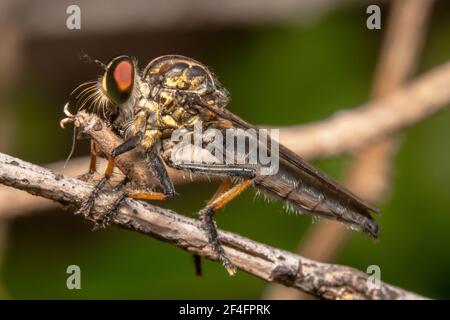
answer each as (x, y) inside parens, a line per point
(207, 217)
(223, 196)
(226, 185)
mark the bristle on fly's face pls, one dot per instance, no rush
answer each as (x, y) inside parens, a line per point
(89, 96)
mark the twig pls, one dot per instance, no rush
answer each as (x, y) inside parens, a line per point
(322, 280)
(27, 204)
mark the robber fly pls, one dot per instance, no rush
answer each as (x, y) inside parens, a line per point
(174, 92)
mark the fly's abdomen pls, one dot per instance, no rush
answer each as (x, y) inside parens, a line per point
(302, 192)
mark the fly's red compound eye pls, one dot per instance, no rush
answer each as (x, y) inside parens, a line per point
(118, 81)
(123, 75)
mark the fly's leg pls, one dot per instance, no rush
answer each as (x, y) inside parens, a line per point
(226, 185)
(87, 205)
(198, 265)
(128, 145)
(160, 170)
(207, 217)
(226, 169)
(104, 220)
(167, 185)
(224, 195)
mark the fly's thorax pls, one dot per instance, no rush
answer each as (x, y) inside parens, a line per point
(125, 111)
(221, 97)
(184, 77)
(151, 138)
(144, 88)
(178, 72)
(139, 120)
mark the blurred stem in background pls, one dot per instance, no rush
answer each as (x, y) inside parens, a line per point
(10, 56)
(369, 173)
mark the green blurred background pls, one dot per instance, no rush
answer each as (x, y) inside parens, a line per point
(278, 73)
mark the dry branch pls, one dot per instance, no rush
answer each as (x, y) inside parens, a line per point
(326, 281)
(26, 204)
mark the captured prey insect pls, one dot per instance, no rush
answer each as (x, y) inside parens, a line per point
(176, 94)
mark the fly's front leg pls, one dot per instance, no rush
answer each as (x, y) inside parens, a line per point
(128, 145)
(87, 205)
(167, 185)
(104, 220)
(160, 170)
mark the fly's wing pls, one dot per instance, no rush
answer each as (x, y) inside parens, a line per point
(305, 188)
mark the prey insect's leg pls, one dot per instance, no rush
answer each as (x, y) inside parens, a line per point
(92, 163)
(207, 214)
(128, 145)
(93, 159)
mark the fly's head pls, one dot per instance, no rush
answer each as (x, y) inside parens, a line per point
(113, 95)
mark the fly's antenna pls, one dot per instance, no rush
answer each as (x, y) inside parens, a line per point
(84, 56)
(72, 149)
